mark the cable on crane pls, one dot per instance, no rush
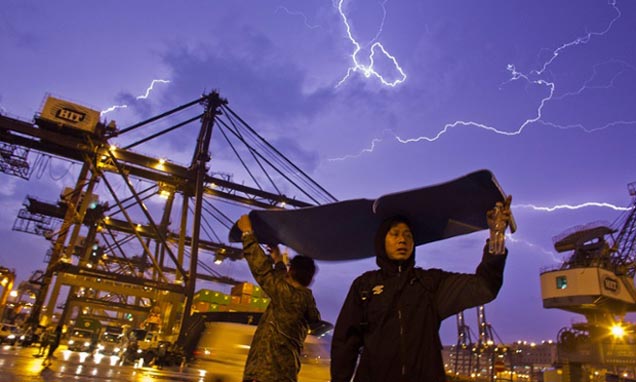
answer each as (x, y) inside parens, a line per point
(249, 172)
(273, 167)
(162, 132)
(325, 192)
(238, 133)
(152, 119)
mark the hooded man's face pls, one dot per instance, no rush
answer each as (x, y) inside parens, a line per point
(398, 243)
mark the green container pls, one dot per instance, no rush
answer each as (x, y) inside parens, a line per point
(259, 302)
(212, 296)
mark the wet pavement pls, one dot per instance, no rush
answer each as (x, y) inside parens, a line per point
(20, 365)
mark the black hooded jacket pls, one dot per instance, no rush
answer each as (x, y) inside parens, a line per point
(391, 317)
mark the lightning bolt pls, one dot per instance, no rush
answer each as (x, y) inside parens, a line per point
(152, 85)
(113, 108)
(296, 13)
(572, 207)
(369, 150)
(517, 240)
(369, 70)
(140, 97)
(581, 40)
(515, 75)
(586, 85)
(587, 130)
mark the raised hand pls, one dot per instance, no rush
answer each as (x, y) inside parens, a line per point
(498, 219)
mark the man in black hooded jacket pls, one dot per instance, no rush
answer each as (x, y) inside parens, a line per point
(391, 317)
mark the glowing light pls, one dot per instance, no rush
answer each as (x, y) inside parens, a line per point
(369, 70)
(112, 148)
(97, 358)
(618, 331)
(84, 355)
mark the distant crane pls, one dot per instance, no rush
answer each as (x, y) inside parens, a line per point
(481, 358)
(597, 281)
(463, 352)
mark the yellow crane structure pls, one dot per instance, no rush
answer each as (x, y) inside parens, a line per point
(596, 280)
(122, 258)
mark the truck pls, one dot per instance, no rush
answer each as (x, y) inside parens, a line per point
(82, 340)
(151, 347)
(110, 341)
(84, 335)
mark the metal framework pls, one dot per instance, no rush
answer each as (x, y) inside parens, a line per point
(597, 281)
(479, 360)
(92, 241)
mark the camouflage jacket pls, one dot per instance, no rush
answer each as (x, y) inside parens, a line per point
(275, 351)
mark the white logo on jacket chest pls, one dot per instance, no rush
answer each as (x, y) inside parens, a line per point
(378, 289)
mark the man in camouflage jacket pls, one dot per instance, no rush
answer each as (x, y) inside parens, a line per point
(274, 355)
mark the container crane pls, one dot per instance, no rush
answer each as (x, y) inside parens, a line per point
(597, 281)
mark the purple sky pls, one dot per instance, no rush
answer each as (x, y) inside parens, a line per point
(540, 92)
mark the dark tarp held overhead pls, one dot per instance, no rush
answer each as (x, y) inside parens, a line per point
(346, 230)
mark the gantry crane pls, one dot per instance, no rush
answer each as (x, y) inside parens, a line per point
(479, 359)
(597, 281)
(122, 257)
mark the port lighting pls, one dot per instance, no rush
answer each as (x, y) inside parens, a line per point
(618, 331)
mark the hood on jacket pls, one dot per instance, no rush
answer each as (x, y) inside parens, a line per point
(381, 257)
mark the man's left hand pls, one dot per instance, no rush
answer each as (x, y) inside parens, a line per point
(244, 224)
